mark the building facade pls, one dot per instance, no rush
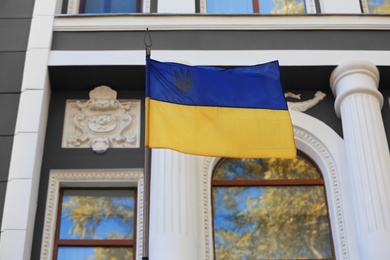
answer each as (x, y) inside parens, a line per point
(72, 86)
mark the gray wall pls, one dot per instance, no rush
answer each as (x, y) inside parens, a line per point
(226, 40)
(15, 20)
(386, 112)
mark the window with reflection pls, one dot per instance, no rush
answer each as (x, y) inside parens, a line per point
(96, 224)
(376, 6)
(103, 6)
(270, 209)
(255, 6)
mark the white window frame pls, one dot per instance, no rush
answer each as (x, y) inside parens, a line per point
(310, 6)
(365, 6)
(107, 178)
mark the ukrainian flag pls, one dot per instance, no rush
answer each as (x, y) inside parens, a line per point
(239, 112)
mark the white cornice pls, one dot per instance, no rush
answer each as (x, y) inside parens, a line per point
(139, 22)
(218, 58)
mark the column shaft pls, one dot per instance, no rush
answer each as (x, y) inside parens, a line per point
(358, 102)
(173, 221)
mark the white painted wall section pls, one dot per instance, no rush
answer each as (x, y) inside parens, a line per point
(340, 7)
(176, 7)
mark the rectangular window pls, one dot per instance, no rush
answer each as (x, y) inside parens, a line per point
(104, 6)
(376, 6)
(257, 6)
(96, 224)
(93, 212)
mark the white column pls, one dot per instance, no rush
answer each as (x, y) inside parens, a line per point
(358, 103)
(173, 206)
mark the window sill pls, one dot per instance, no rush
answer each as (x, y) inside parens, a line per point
(157, 22)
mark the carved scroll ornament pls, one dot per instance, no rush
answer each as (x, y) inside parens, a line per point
(304, 105)
(102, 122)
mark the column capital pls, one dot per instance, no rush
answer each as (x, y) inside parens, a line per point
(354, 77)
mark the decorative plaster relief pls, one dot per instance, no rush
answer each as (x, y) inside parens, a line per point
(304, 105)
(102, 122)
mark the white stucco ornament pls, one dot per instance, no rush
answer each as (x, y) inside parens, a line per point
(102, 122)
(304, 105)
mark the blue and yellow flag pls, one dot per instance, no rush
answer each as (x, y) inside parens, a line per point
(239, 112)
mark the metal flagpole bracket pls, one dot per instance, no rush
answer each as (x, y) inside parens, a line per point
(148, 41)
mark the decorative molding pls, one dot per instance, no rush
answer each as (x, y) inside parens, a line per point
(333, 192)
(334, 188)
(102, 122)
(208, 167)
(352, 77)
(304, 105)
(163, 22)
(89, 178)
(217, 57)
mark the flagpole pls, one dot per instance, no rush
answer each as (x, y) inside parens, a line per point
(146, 213)
(147, 165)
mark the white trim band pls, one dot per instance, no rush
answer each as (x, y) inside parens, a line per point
(285, 57)
(160, 22)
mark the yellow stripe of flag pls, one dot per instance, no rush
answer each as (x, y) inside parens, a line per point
(224, 131)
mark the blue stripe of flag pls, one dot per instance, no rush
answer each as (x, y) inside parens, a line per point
(255, 86)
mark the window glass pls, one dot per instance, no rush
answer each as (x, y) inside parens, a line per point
(229, 6)
(270, 209)
(82, 253)
(96, 224)
(255, 6)
(108, 6)
(378, 6)
(266, 169)
(97, 214)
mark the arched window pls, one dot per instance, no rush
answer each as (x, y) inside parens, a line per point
(270, 209)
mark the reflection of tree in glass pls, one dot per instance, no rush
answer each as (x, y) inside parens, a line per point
(288, 7)
(88, 213)
(112, 253)
(268, 222)
(266, 169)
(379, 7)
